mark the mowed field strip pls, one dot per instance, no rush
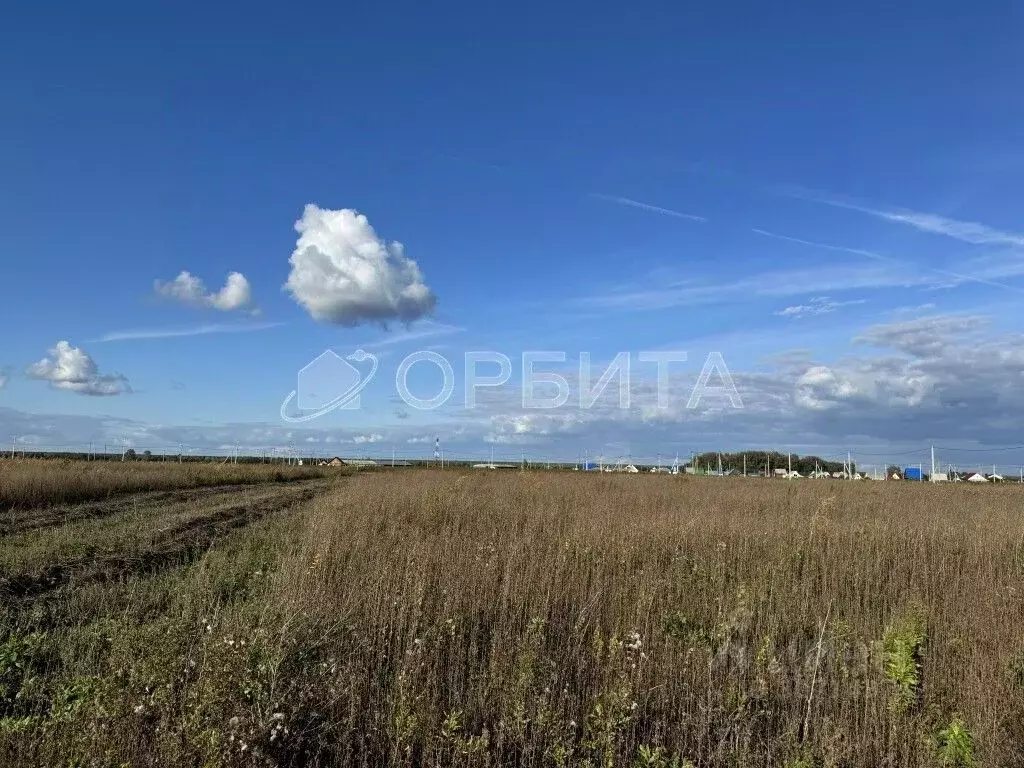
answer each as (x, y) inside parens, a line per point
(42, 549)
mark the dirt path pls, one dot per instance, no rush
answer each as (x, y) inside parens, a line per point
(184, 525)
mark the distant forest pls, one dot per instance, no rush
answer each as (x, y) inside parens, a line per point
(758, 461)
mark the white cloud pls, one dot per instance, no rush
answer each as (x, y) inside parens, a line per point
(343, 273)
(189, 289)
(878, 384)
(68, 367)
(4, 378)
(820, 305)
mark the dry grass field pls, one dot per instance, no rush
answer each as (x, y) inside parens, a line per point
(484, 619)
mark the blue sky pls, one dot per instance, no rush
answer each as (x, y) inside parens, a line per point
(796, 188)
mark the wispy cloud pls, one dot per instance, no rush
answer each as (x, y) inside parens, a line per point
(778, 283)
(965, 231)
(828, 247)
(913, 309)
(981, 276)
(198, 330)
(424, 331)
(820, 305)
(646, 207)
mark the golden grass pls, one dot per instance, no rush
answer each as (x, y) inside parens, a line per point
(446, 618)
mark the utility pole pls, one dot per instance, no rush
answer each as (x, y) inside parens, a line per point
(932, 475)
(744, 465)
(849, 466)
(789, 458)
(14, 441)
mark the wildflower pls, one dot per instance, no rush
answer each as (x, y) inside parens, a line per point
(634, 643)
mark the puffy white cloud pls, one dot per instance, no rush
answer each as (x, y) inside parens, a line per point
(189, 289)
(343, 273)
(68, 367)
(879, 383)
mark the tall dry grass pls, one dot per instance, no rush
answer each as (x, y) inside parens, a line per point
(28, 483)
(532, 619)
(538, 619)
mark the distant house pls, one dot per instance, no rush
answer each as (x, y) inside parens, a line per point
(630, 469)
(977, 478)
(335, 462)
(995, 478)
(781, 473)
(793, 475)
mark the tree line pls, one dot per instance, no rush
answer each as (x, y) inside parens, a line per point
(759, 462)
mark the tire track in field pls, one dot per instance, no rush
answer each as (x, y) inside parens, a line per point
(156, 501)
(181, 542)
